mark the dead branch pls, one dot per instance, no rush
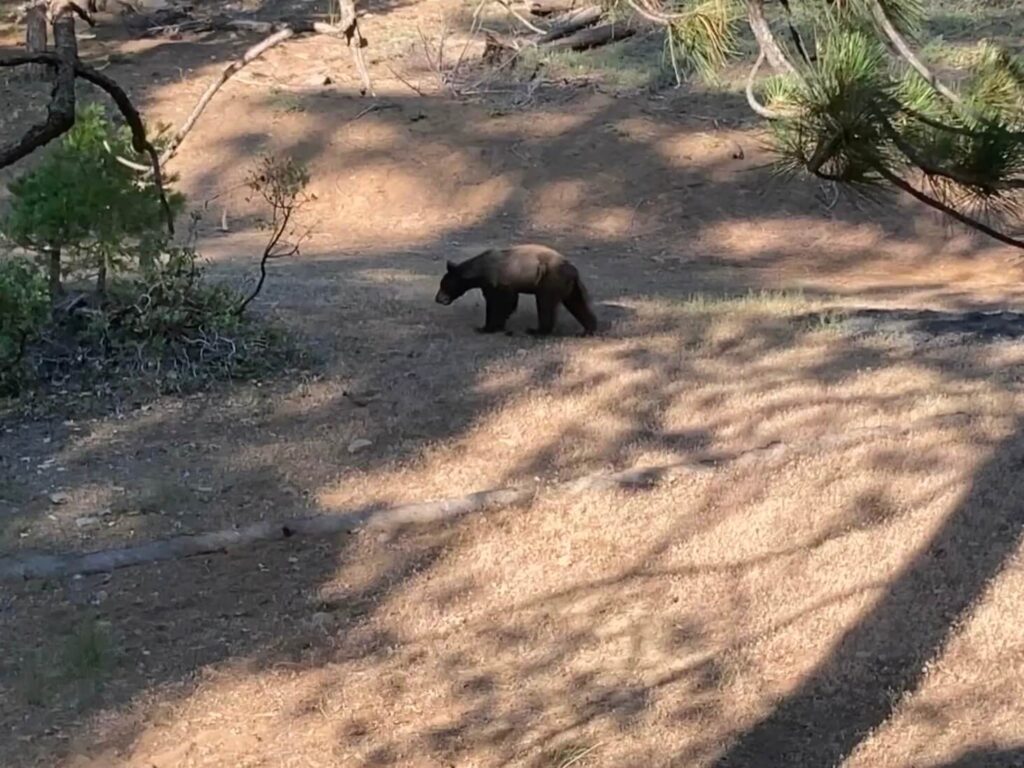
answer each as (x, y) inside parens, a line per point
(756, 105)
(347, 28)
(60, 113)
(500, 50)
(889, 29)
(37, 32)
(571, 22)
(49, 566)
(247, 58)
(766, 39)
(393, 519)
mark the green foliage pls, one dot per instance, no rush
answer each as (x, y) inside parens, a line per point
(862, 116)
(280, 181)
(81, 199)
(157, 322)
(24, 310)
(704, 35)
(862, 108)
(88, 650)
(176, 328)
(843, 99)
(169, 302)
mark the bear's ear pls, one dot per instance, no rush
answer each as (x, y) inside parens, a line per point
(452, 266)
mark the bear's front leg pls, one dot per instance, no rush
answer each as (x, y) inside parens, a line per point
(495, 304)
(500, 304)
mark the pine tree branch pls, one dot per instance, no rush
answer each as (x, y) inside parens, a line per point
(794, 33)
(903, 48)
(954, 175)
(766, 39)
(758, 107)
(953, 213)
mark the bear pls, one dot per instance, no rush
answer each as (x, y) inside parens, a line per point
(504, 273)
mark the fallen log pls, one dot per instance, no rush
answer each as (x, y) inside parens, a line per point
(571, 22)
(593, 37)
(499, 50)
(40, 566)
(35, 566)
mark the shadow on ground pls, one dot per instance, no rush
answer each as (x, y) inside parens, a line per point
(262, 448)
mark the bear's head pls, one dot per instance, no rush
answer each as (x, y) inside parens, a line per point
(453, 285)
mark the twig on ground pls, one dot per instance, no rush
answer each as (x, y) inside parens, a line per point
(412, 87)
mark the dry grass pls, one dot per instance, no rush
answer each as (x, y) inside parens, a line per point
(854, 600)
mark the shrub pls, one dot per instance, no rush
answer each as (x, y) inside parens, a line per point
(24, 310)
(84, 207)
(173, 329)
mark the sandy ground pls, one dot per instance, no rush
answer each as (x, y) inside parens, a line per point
(853, 602)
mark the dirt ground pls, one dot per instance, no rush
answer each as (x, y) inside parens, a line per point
(853, 601)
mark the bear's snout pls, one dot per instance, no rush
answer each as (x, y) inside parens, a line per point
(443, 298)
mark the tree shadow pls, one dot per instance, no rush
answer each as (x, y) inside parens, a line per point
(882, 659)
(262, 447)
(993, 757)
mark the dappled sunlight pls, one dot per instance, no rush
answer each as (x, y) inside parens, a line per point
(969, 695)
(644, 624)
(664, 388)
(827, 564)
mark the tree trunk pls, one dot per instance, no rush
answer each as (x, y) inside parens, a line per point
(101, 276)
(53, 269)
(35, 40)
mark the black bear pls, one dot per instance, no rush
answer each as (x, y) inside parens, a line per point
(503, 273)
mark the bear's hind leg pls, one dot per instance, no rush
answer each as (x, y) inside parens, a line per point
(576, 303)
(547, 312)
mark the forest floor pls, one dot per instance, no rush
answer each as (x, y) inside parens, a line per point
(855, 599)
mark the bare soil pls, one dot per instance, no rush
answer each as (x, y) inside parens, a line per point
(854, 604)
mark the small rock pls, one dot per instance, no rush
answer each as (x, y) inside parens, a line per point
(60, 499)
(359, 444)
(85, 522)
(100, 597)
(319, 79)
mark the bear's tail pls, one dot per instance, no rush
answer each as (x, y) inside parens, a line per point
(578, 303)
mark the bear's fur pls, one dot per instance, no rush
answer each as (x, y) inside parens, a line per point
(504, 273)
